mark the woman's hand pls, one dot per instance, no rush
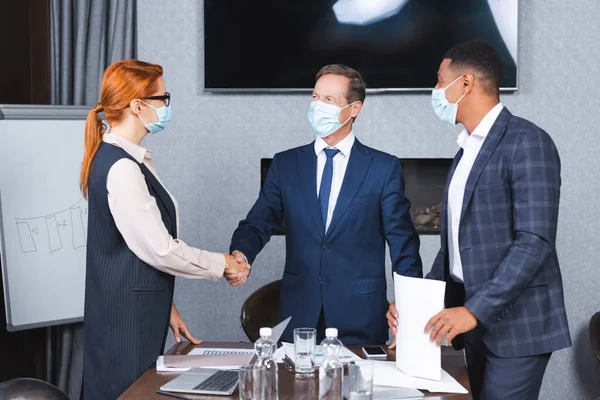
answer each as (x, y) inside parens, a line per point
(179, 328)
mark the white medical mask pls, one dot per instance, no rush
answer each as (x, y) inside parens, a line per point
(445, 110)
(324, 118)
(163, 116)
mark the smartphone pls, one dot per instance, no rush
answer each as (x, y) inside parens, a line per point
(374, 352)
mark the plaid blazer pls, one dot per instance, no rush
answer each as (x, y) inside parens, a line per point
(507, 234)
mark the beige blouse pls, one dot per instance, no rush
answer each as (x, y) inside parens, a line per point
(139, 220)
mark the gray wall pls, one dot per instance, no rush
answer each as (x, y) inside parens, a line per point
(209, 157)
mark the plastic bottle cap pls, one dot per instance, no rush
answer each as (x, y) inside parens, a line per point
(331, 332)
(266, 332)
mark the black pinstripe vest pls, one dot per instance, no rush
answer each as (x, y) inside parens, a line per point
(127, 302)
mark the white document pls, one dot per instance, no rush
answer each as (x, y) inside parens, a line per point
(346, 356)
(417, 300)
(161, 367)
(385, 373)
(395, 393)
(386, 392)
(160, 361)
(203, 351)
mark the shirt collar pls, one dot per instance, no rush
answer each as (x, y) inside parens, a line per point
(345, 146)
(482, 129)
(135, 151)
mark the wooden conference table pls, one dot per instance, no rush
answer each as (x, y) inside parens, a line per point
(290, 388)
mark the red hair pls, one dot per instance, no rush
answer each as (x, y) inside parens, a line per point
(123, 82)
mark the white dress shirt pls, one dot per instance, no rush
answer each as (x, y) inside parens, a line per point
(340, 162)
(471, 144)
(139, 221)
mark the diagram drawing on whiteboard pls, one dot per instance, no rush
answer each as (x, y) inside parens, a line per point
(54, 232)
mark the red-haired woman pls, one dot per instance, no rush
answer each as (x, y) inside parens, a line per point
(133, 253)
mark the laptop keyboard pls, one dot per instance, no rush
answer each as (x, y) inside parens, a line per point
(221, 381)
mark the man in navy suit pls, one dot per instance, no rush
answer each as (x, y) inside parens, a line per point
(504, 297)
(341, 202)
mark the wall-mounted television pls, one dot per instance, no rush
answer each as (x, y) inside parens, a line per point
(397, 45)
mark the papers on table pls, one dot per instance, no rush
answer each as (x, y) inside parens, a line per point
(386, 373)
(386, 392)
(218, 352)
(224, 362)
(217, 358)
(345, 357)
(161, 367)
(417, 300)
(395, 393)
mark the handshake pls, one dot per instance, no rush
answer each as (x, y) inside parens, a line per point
(237, 268)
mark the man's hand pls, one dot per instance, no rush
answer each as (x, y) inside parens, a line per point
(179, 328)
(392, 318)
(239, 256)
(450, 323)
(236, 272)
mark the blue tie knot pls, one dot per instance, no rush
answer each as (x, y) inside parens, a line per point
(331, 152)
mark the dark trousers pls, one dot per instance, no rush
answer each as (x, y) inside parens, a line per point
(497, 378)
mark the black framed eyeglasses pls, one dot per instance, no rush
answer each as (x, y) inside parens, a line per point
(166, 98)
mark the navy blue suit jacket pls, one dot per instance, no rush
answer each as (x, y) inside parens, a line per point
(507, 238)
(342, 271)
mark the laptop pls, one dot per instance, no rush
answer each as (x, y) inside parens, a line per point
(213, 381)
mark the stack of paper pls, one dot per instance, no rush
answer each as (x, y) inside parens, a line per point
(161, 367)
(385, 373)
(219, 352)
(387, 392)
(417, 300)
(418, 360)
(216, 358)
(395, 393)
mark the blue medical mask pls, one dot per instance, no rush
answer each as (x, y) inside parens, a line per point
(163, 115)
(445, 110)
(324, 118)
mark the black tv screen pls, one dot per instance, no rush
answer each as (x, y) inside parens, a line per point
(279, 45)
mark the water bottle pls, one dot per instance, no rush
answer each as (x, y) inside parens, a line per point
(331, 372)
(265, 351)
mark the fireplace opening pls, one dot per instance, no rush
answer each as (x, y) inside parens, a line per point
(424, 181)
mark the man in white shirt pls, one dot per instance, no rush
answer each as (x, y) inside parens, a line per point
(342, 202)
(504, 293)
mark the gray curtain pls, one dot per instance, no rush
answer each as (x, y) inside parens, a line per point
(86, 37)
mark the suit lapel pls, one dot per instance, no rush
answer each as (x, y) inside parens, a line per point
(444, 221)
(487, 149)
(163, 197)
(357, 168)
(307, 173)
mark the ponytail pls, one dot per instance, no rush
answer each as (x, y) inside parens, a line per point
(92, 141)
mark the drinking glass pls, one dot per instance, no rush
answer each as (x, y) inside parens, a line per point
(361, 380)
(304, 349)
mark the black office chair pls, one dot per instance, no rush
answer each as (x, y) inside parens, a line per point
(261, 309)
(595, 334)
(30, 389)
